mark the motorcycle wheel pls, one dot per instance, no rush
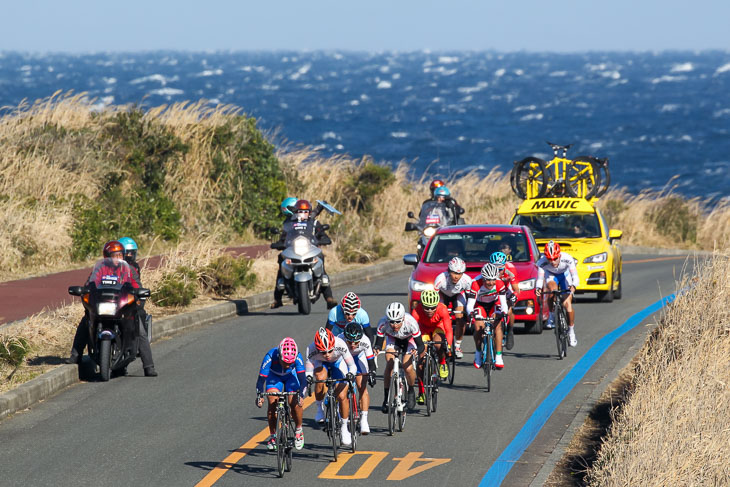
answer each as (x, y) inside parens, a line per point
(105, 359)
(304, 304)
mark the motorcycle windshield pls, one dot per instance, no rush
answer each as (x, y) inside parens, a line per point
(298, 229)
(433, 214)
(110, 274)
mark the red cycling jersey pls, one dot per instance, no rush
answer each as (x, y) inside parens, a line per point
(440, 319)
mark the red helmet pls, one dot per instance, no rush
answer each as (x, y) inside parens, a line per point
(350, 303)
(324, 340)
(288, 350)
(436, 183)
(111, 247)
(552, 250)
(302, 205)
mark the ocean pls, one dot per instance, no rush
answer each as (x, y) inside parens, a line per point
(662, 118)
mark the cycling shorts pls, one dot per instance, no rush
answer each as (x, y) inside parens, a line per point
(392, 344)
(437, 331)
(337, 369)
(560, 279)
(453, 302)
(361, 363)
(488, 309)
(279, 383)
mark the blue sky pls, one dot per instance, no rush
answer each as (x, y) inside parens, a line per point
(402, 25)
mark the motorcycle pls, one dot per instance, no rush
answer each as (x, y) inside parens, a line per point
(433, 216)
(109, 305)
(302, 266)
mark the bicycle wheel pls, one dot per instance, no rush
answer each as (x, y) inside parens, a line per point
(435, 384)
(531, 179)
(451, 362)
(280, 442)
(391, 403)
(404, 399)
(605, 177)
(583, 177)
(333, 426)
(354, 414)
(564, 331)
(488, 358)
(428, 382)
(289, 446)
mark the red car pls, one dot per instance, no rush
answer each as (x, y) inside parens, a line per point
(474, 244)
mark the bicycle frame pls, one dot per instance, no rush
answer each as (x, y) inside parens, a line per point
(284, 430)
(430, 376)
(397, 393)
(561, 321)
(333, 421)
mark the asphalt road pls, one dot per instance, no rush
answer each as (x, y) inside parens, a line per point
(177, 429)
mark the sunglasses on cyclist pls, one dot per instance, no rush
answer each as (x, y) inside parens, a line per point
(429, 308)
(327, 352)
(354, 344)
(395, 322)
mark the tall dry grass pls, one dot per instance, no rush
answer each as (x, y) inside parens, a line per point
(674, 428)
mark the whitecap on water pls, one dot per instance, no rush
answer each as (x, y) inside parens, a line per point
(669, 107)
(384, 85)
(210, 72)
(525, 107)
(471, 89)
(109, 81)
(396, 76)
(723, 69)
(611, 74)
(532, 116)
(167, 92)
(499, 73)
(558, 74)
(330, 135)
(519, 72)
(163, 80)
(354, 103)
(300, 72)
(668, 79)
(269, 87)
(682, 68)
(448, 59)
(399, 135)
(307, 117)
(339, 147)
(721, 113)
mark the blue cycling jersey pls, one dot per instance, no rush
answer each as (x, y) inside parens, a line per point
(336, 318)
(271, 365)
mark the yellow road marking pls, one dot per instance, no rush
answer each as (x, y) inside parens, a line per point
(678, 257)
(239, 453)
(332, 470)
(405, 468)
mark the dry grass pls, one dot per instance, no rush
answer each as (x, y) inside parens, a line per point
(674, 428)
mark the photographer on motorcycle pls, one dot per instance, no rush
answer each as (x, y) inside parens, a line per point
(441, 194)
(303, 220)
(145, 351)
(286, 204)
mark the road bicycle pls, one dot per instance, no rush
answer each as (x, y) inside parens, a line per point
(583, 177)
(560, 320)
(332, 419)
(431, 376)
(284, 434)
(397, 394)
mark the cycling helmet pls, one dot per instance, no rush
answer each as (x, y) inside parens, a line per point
(324, 340)
(498, 258)
(130, 247)
(350, 303)
(286, 203)
(429, 298)
(552, 250)
(111, 247)
(353, 332)
(490, 271)
(442, 191)
(395, 312)
(436, 183)
(457, 265)
(288, 350)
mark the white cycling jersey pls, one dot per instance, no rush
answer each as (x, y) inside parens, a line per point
(444, 284)
(565, 266)
(409, 328)
(315, 358)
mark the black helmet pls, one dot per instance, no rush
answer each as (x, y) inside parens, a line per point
(353, 332)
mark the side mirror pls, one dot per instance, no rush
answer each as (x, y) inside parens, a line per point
(274, 231)
(410, 259)
(615, 235)
(325, 227)
(77, 290)
(411, 215)
(461, 210)
(141, 292)
(410, 227)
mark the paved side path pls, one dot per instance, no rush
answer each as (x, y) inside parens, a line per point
(22, 298)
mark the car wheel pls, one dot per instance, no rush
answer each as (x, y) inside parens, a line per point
(536, 327)
(617, 292)
(605, 296)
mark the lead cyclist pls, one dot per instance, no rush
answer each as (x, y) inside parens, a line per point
(557, 270)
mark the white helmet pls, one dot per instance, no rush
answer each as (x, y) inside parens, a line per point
(457, 265)
(490, 271)
(395, 312)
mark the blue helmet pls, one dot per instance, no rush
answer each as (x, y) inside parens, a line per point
(498, 258)
(442, 191)
(286, 203)
(130, 247)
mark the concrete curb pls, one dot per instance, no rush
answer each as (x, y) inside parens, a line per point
(52, 382)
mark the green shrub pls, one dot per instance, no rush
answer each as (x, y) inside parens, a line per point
(356, 249)
(675, 219)
(14, 350)
(225, 274)
(367, 182)
(177, 288)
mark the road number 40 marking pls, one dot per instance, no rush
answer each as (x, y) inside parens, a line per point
(404, 469)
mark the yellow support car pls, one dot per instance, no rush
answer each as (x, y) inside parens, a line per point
(581, 230)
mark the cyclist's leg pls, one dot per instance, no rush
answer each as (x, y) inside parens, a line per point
(320, 373)
(408, 362)
(497, 329)
(273, 384)
(459, 323)
(297, 412)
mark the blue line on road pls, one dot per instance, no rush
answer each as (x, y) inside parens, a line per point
(502, 465)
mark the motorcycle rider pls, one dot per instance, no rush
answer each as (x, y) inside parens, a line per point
(303, 216)
(286, 204)
(441, 194)
(145, 351)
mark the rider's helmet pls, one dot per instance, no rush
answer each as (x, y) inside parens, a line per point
(436, 183)
(457, 266)
(429, 298)
(286, 203)
(288, 350)
(499, 259)
(490, 271)
(324, 340)
(353, 332)
(395, 312)
(111, 247)
(130, 248)
(552, 250)
(302, 206)
(350, 303)
(441, 191)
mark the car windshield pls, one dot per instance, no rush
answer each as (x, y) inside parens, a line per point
(477, 246)
(561, 225)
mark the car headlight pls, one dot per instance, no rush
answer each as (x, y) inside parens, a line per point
(418, 286)
(301, 245)
(527, 285)
(107, 309)
(429, 231)
(596, 259)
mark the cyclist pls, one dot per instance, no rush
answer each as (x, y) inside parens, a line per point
(435, 323)
(330, 354)
(508, 275)
(349, 310)
(451, 286)
(558, 270)
(362, 351)
(282, 370)
(487, 296)
(398, 330)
